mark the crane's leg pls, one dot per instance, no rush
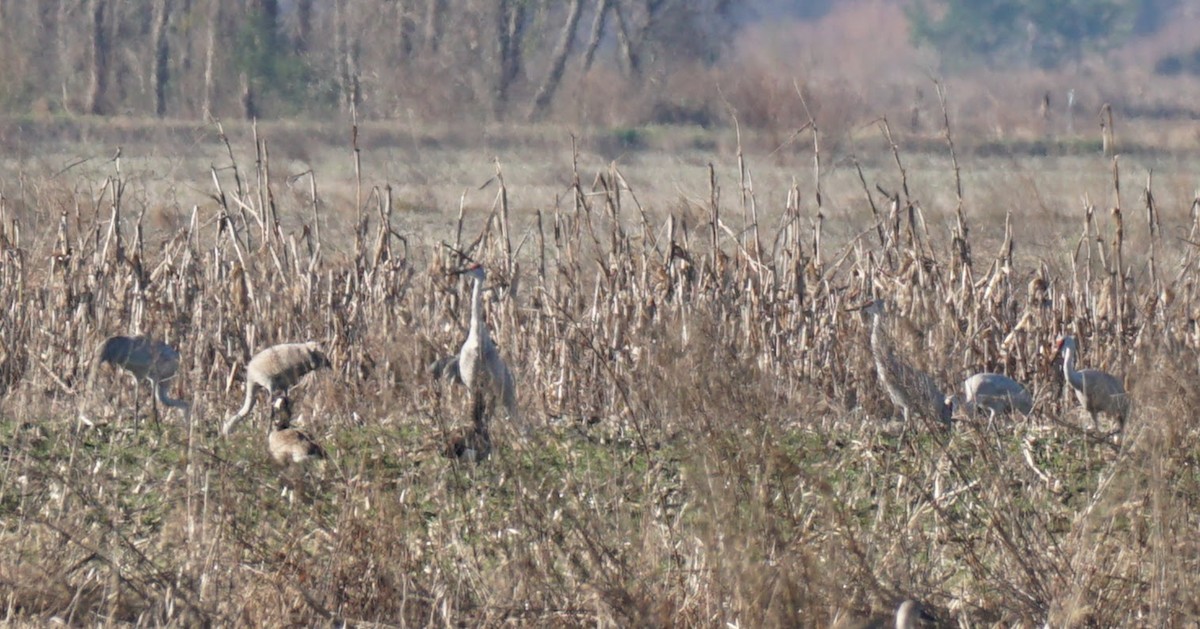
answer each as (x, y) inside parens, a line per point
(154, 393)
(479, 404)
(1095, 421)
(137, 396)
(906, 426)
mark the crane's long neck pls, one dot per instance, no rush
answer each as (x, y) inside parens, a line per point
(160, 390)
(478, 325)
(879, 345)
(1073, 377)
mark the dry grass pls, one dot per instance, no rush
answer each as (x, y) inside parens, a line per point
(712, 447)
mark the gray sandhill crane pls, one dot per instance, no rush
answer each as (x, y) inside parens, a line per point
(909, 615)
(910, 389)
(146, 359)
(1097, 391)
(277, 369)
(479, 365)
(289, 445)
(472, 444)
(996, 393)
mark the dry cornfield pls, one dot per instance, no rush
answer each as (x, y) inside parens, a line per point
(710, 444)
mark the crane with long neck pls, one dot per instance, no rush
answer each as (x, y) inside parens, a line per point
(145, 359)
(277, 369)
(1098, 391)
(480, 366)
(913, 391)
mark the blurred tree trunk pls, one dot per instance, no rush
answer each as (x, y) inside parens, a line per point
(346, 58)
(630, 64)
(265, 13)
(304, 17)
(406, 29)
(632, 37)
(510, 27)
(159, 73)
(270, 13)
(597, 34)
(94, 103)
(63, 68)
(185, 47)
(435, 11)
(249, 104)
(214, 18)
(558, 62)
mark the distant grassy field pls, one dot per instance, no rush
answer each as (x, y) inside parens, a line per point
(711, 446)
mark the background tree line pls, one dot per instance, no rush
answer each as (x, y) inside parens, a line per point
(500, 59)
(200, 58)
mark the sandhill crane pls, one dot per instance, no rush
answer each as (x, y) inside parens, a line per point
(1099, 392)
(910, 389)
(479, 364)
(145, 359)
(277, 369)
(909, 615)
(287, 444)
(472, 444)
(997, 393)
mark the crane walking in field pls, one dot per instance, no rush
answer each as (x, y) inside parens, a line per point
(277, 369)
(1097, 391)
(997, 393)
(910, 389)
(145, 359)
(478, 364)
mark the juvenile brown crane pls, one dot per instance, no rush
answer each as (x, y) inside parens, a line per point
(145, 359)
(1097, 391)
(277, 369)
(913, 391)
(286, 444)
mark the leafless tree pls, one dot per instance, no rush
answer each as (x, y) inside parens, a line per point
(558, 61)
(100, 55)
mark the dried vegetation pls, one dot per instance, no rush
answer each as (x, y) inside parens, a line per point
(712, 446)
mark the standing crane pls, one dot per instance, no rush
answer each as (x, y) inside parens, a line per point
(910, 389)
(146, 359)
(277, 369)
(909, 615)
(997, 393)
(479, 365)
(1099, 392)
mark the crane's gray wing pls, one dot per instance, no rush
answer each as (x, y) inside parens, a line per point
(446, 368)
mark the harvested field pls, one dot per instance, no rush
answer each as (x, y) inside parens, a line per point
(711, 445)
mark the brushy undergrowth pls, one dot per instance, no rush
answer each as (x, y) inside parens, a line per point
(709, 444)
